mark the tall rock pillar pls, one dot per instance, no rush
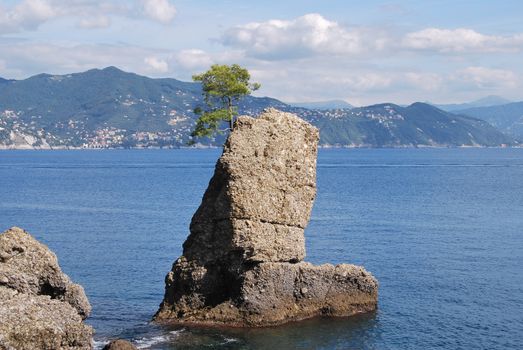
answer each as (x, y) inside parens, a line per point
(242, 264)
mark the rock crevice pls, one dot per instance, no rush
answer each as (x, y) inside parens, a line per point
(242, 264)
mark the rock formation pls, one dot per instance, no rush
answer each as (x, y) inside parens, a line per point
(40, 307)
(120, 344)
(242, 262)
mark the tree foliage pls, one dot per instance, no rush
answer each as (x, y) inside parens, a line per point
(222, 86)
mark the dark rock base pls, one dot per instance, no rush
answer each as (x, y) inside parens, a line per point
(267, 294)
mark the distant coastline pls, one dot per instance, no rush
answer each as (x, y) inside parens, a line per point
(325, 146)
(125, 110)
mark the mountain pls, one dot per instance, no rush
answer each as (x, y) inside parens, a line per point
(420, 124)
(105, 108)
(482, 102)
(508, 118)
(323, 105)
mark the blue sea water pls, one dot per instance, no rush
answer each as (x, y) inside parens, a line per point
(441, 229)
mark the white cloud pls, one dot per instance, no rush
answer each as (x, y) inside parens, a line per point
(460, 40)
(364, 81)
(196, 59)
(313, 35)
(28, 58)
(304, 36)
(272, 73)
(95, 22)
(193, 59)
(156, 64)
(425, 81)
(28, 14)
(488, 78)
(159, 10)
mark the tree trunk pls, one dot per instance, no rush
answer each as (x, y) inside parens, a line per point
(229, 110)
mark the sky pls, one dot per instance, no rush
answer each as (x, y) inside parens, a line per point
(363, 52)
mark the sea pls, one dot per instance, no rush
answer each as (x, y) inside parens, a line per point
(441, 229)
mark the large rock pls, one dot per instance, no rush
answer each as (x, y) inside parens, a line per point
(241, 264)
(41, 308)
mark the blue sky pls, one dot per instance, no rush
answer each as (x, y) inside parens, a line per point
(361, 52)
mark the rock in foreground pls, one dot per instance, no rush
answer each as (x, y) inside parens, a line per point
(242, 262)
(40, 307)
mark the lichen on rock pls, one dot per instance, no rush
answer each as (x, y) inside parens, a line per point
(242, 264)
(41, 308)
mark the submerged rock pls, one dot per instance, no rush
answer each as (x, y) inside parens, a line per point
(41, 308)
(119, 344)
(242, 262)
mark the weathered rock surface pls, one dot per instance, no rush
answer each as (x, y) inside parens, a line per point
(241, 264)
(40, 307)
